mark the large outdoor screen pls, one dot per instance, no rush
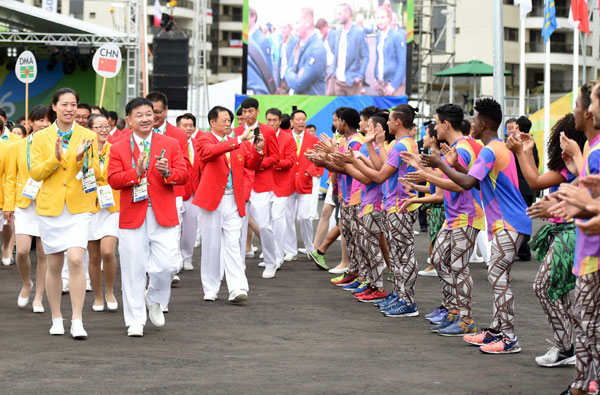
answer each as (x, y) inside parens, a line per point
(323, 47)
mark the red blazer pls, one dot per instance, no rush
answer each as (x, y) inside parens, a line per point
(177, 134)
(116, 136)
(214, 170)
(122, 176)
(302, 167)
(263, 177)
(283, 176)
(194, 176)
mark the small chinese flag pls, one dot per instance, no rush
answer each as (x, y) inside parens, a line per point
(108, 65)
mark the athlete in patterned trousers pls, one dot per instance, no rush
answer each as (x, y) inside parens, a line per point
(401, 239)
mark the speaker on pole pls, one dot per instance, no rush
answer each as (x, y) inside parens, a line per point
(170, 74)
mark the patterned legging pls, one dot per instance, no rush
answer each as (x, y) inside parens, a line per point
(505, 245)
(369, 245)
(401, 241)
(587, 328)
(559, 313)
(350, 224)
(451, 254)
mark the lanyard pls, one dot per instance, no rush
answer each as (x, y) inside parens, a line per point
(29, 140)
(132, 147)
(86, 160)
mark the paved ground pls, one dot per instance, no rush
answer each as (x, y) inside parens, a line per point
(296, 334)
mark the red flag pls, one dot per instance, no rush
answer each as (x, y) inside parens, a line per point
(157, 13)
(579, 16)
(108, 65)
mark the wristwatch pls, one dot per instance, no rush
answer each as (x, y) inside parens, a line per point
(168, 173)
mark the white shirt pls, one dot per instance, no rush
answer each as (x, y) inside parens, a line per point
(340, 73)
(239, 140)
(7, 131)
(329, 52)
(253, 126)
(113, 131)
(284, 60)
(162, 128)
(380, 53)
(194, 134)
(301, 135)
(140, 142)
(191, 149)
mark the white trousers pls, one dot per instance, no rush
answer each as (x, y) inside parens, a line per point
(180, 209)
(221, 233)
(314, 203)
(278, 223)
(189, 227)
(153, 249)
(260, 210)
(298, 207)
(244, 235)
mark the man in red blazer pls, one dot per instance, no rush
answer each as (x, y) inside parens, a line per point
(189, 220)
(262, 186)
(220, 196)
(145, 167)
(298, 204)
(283, 179)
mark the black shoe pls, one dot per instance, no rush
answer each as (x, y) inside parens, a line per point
(524, 258)
(567, 391)
(423, 230)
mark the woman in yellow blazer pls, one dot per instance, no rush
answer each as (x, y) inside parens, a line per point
(19, 207)
(104, 227)
(64, 157)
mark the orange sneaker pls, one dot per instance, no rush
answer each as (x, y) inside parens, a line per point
(503, 345)
(486, 336)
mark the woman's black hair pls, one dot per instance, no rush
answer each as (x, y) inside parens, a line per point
(565, 124)
(38, 112)
(56, 97)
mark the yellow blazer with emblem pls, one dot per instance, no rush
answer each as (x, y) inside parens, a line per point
(60, 185)
(102, 179)
(16, 176)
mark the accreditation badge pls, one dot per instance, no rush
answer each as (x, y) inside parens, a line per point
(31, 189)
(89, 181)
(105, 196)
(140, 191)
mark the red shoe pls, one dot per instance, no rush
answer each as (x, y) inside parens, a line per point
(373, 296)
(364, 293)
(348, 278)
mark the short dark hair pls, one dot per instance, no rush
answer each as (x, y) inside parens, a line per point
(249, 102)
(20, 119)
(351, 117)
(135, 103)
(510, 120)
(369, 111)
(55, 97)
(406, 114)
(3, 113)
(101, 109)
(285, 121)
(338, 111)
(92, 117)
(297, 112)
(239, 112)
(113, 115)
(586, 93)
(451, 113)
(491, 110)
(121, 124)
(310, 125)
(213, 114)
(465, 127)
(382, 119)
(85, 105)
(156, 96)
(524, 124)
(19, 126)
(38, 112)
(274, 111)
(187, 115)
(321, 22)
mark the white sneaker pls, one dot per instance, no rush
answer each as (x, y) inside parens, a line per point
(338, 271)
(88, 286)
(476, 259)
(302, 250)
(38, 309)
(175, 280)
(269, 272)
(112, 306)
(254, 248)
(156, 315)
(289, 257)
(23, 302)
(261, 256)
(416, 232)
(197, 244)
(250, 254)
(135, 330)
(555, 357)
(99, 307)
(77, 330)
(65, 289)
(6, 261)
(57, 327)
(210, 297)
(238, 296)
(428, 273)
(187, 266)
(262, 264)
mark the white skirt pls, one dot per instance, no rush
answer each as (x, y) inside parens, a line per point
(104, 223)
(64, 231)
(26, 222)
(329, 196)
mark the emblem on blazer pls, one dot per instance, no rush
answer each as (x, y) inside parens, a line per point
(239, 158)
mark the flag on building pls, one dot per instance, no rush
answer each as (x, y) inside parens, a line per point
(524, 7)
(549, 20)
(578, 15)
(157, 13)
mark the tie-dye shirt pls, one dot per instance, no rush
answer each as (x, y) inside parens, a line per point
(463, 208)
(371, 195)
(403, 144)
(587, 247)
(349, 188)
(505, 208)
(390, 183)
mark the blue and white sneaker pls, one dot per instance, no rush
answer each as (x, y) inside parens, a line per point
(435, 312)
(458, 328)
(387, 300)
(393, 306)
(353, 285)
(446, 322)
(361, 288)
(439, 318)
(406, 310)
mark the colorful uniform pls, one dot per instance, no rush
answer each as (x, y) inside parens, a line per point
(507, 224)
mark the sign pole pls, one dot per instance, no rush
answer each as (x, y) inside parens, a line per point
(26, 101)
(102, 93)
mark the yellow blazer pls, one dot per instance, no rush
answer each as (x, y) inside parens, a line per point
(60, 186)
(4, 151)
(12, 138)
(16, 176)
(102, 179)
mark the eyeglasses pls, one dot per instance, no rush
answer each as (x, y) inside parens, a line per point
(107, 127)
